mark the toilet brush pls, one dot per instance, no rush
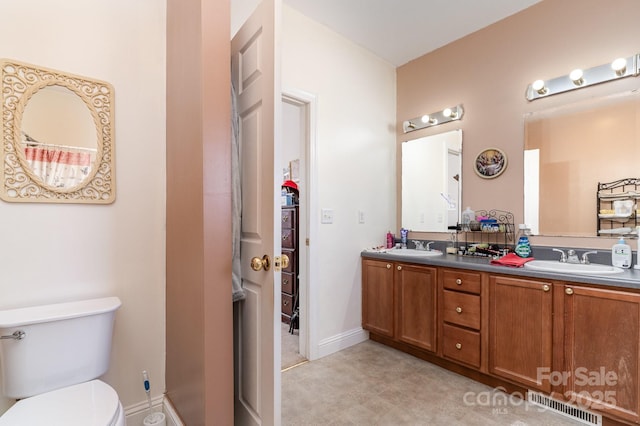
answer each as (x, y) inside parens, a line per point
(155, 419)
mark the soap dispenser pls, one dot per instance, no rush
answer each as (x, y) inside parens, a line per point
(621, 254)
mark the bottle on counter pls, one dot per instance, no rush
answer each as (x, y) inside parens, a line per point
(403, 237)
(621, 254)
(523, 247)
(390, 239)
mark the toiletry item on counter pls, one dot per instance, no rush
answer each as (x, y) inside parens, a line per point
(523, 247)
(467, 217)
(403, 237)
(621, 254)
(390, 239)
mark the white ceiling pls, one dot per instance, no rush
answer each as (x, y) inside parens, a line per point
(401, 30)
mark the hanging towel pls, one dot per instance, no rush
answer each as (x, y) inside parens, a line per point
(512, 260)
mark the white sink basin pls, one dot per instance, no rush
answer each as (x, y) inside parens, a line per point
(414, 252)
(571, 268)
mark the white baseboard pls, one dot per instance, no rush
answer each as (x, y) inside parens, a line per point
(136, 413)
(341, 341)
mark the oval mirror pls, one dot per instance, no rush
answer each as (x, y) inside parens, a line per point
(57, 140)
(58, 137)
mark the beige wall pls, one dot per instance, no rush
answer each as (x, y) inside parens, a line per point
(54, 252)
(199, 367)
(488, 72)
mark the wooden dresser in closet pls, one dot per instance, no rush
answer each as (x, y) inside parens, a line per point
(289, 248)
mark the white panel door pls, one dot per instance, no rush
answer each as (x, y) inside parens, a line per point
(256, 76)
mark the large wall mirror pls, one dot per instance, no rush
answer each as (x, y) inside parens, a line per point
(57, 136)
(432, 182)
(568, 151)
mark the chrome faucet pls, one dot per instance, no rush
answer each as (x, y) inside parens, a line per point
(428, 248)
(585, 256)
(563, 256)
(419, 245)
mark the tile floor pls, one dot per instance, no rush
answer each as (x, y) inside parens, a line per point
(372, 384)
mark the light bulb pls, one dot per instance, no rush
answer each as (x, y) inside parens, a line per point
(576, 77)
(447, 112)
(425, 119)
(538, 86)
(619, 66)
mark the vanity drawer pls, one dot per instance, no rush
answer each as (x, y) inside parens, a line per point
(461, 345)
(462, 309)
(461, 281)
(288, 282)
(287, 304)
(291, 267)
(288, 238)
(288, 218)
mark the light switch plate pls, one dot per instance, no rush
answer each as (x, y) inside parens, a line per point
(360, 216)
(326, 216)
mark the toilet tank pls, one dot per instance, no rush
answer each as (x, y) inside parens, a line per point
(63, 344)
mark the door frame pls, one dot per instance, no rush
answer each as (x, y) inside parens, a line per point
(308, 259)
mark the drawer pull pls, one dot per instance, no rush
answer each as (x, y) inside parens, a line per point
(399, 268)
(285, 218)
(459, 309)
(459, 281)
(458, 346)
(546, 287)
(388, 266)
(285, 303)
(569, 291)
(285, 281)
(285, 237)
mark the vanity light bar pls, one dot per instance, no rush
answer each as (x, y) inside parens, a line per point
(433, 119)
(620, 68)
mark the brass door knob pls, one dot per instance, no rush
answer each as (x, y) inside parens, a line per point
(258, 264)
(285, 261)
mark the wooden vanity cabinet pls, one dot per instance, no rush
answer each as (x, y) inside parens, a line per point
(399, 301)
(415, 310)
(602, 350)
(460, 315)
(377, 297)
(521, 330)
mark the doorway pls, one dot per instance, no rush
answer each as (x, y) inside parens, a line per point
(298, 145)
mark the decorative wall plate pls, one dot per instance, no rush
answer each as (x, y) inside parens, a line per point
(490, 163)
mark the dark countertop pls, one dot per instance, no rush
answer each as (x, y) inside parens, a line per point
(629, 279)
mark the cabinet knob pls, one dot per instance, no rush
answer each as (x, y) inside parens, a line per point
(458, 346)
(285, 303)
(285, 281)
(399, 268)
(459, 281)
(569, 291)
(285, 217)
(546, 287)
(388, 266)
(459, 309)
(285, 237)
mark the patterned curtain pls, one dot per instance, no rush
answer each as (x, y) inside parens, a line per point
(60, 168)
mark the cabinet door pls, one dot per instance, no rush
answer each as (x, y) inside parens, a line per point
(416, 305)
(520, 336)
(377, 296)
(602, 334)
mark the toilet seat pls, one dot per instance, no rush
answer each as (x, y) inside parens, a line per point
(93, 403)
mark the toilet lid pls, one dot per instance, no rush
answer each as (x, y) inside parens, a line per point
(92, 403)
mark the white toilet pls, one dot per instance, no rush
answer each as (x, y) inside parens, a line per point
(50, 359)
